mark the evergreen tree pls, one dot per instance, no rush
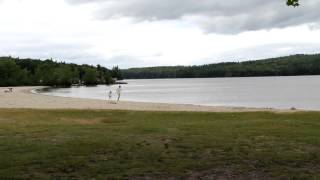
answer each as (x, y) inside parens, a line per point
(116, 73)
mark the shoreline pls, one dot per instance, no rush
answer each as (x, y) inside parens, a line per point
(27, 98)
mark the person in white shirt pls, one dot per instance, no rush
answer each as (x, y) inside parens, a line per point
(119, 93)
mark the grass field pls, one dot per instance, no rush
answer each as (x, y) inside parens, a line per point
(79, 144)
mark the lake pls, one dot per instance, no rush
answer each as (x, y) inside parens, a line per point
(302, 92)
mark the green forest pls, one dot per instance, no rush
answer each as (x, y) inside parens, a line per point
(283, 66)
(24, 72)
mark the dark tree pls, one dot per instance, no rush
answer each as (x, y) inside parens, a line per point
(90, 77)
(19, 72)
(116, 73)
(293, 3)
(283, 66)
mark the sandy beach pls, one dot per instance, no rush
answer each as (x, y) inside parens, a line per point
(23, 97)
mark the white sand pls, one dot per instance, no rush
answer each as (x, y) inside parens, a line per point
(23, 98)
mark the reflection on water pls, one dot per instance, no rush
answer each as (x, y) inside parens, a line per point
(275, 92)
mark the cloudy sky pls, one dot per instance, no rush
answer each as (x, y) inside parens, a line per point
(135, 33)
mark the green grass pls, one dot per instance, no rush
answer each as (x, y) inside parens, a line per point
(78, 144)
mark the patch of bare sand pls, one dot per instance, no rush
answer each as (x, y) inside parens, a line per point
(22, 97)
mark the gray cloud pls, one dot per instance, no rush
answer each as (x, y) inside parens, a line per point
(232, 16)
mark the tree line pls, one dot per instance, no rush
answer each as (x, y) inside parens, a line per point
(282, 66)
(24, 72)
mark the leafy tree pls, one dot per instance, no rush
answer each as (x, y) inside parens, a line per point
(18, 72)
(6, 68)
(45, 74)
(293, 3)
(11, 74)
(90, 76)
(75, 75)
(63, 76)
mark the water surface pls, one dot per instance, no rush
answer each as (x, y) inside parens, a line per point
(301, 92)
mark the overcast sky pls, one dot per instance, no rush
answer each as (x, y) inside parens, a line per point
(136, 33)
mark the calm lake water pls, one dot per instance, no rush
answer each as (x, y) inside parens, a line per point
(301, 92)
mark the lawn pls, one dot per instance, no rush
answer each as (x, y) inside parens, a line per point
(85, 144)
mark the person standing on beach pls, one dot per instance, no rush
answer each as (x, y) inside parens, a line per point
(110, 95)
(119, 92)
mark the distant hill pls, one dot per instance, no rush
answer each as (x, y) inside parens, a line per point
(22, 72)
(282, 66)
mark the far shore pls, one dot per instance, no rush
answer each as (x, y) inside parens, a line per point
(22, 97)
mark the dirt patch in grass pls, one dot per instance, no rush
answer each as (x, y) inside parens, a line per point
(2, 119)
(225, 173)
(213, 174)
(91, 121)
(111, 120)
(82, 121)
